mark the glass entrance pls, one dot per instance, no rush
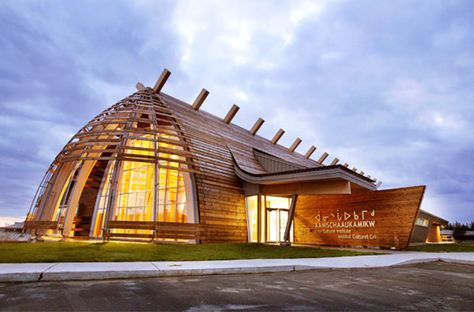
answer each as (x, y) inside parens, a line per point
(267, 218)
(276, 225)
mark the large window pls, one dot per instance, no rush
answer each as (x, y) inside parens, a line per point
(252, 218)
(145, 191)
(267, 218)
(422, 222)
(134, 196)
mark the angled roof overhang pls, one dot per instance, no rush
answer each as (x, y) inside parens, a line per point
(323, 173)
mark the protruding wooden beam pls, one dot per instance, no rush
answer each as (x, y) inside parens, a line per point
(323, 158)
(256, 126)
(310, 152)
(200, 99)
(140, 86)
(295, 145)
(161, 81)
(368, 176)
(334, 161)
(354, 169)
(361, 173)
(277, 136)
(230, 115)
(346, 165)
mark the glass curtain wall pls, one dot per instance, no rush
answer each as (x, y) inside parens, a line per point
(147, 191)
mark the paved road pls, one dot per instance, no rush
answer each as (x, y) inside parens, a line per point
(431, 286)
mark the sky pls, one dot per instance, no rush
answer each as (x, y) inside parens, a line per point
(387, 86)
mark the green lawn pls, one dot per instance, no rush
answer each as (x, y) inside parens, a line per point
(444, 248)
(118, 251)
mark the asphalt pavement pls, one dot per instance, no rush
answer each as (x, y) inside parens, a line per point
(433, 286)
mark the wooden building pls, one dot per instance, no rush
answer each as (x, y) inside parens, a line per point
(153, 167)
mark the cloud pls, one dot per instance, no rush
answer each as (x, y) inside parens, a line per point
(386, 87)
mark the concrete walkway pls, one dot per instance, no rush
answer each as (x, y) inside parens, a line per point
(30, 272)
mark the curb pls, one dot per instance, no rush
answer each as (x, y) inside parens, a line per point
(73, 272)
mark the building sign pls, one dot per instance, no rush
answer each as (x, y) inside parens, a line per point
(342, 223)
(364, 218)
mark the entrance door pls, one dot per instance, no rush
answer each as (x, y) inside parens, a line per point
(276, 224)
(267, 217)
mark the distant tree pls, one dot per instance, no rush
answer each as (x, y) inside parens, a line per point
(460, 228)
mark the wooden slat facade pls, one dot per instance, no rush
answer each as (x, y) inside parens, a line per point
(332, 219)
(207, 147)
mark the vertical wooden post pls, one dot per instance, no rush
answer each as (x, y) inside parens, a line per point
(291, 214)
(259, 218)
(109, 210)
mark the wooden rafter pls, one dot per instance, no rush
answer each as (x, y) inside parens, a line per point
(256, 126)
(323, 158)
(277, 136)
(200, 99)
(294, 145)
(231, 113)
(161, 81)
(310, 152)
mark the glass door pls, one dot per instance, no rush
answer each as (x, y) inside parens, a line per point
(276, 224)
(267, 217)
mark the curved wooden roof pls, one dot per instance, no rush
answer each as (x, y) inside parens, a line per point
(253, 158)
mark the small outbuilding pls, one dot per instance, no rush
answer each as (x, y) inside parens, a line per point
(428, 229)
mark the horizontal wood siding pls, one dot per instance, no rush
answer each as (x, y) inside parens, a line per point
(395, 211)
(221, 200)
(220, 196)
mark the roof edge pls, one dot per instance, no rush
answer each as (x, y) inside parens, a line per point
(309, 174)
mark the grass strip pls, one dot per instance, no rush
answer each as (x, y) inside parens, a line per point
(125, 251)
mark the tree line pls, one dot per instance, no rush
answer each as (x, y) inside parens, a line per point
(462, 227)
